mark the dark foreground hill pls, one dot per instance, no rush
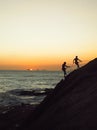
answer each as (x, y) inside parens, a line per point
(72, 104)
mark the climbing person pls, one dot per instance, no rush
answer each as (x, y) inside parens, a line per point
(64, 67)
(76, 60)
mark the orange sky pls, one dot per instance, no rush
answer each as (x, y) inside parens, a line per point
(46, 63)
(42, 34)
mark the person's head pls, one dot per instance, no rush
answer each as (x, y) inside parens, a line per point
(64, 62)
(76, 56)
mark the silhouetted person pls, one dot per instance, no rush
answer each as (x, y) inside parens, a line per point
(76, 60)
(64, 66)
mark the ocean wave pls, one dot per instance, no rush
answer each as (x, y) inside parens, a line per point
(8, 99)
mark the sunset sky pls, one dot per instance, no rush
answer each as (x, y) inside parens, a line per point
(42, 34)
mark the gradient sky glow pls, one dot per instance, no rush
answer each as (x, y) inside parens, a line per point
(41, 34)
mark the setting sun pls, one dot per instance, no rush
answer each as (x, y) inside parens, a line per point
(43, 34)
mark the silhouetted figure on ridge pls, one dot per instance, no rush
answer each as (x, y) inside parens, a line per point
(64, 66)
(76, 60)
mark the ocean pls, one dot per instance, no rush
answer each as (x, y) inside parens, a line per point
(12, 82)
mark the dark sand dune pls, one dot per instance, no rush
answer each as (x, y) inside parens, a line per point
(72, 104)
